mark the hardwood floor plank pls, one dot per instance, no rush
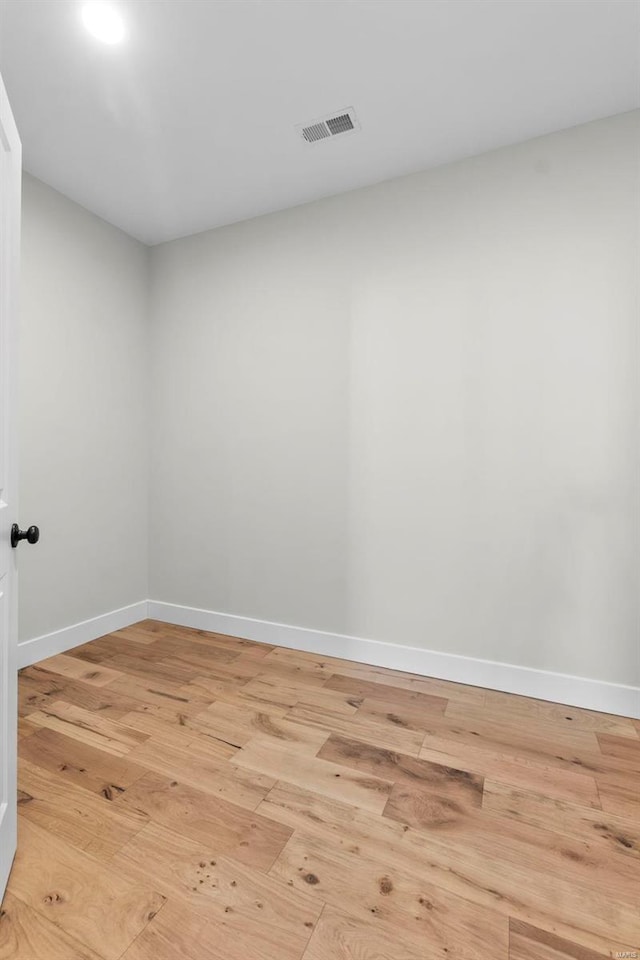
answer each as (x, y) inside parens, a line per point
(265, 689)
(136, 633)
(261, 803)
(226, 827)
(175, 673)
(273, 759)
(39, 688)
(425, 809)
(234, 897)
(508, 706)
(165, 712)
(87, 727)
(504, 874)
(457, 784)
(398, 679)
(625, 748)
(170, 643)
(522, 757)
(565, 857)
(114, 644)
(339, 936)
(521, 772)
(205, 767)
(26, 935)
(406, 717)
(246, 648)
(220, 692)
(203, 656)
(159, 692)
(302, 809)
(530, 943)
(30, 696)
(83, 897)
(609, 770)
(390, 737)
(280, 690)
(367, 689)
(224, 676)
(286, 673)
(544, 743)
(300, 659)
(620, 799)
(170, 726)
(80, 763)
(50, 721)
(319, 698)
(483, 729)
(514, 879)
(75, 669)
(417, 913)
(80, 818)
(178, 933)
(239, 724)
(25, 729)
(151, 626)
(620, 836)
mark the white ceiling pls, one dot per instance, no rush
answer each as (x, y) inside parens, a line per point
(189, 124)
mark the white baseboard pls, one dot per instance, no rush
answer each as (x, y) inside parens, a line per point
(599, 695)
(614, 698)
(49, 644)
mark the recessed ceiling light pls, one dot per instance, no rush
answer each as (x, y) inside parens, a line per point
(103, 22)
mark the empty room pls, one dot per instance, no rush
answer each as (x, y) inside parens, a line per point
(320, 480)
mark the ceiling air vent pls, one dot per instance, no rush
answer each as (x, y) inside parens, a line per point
(333, 125)
(317, 131)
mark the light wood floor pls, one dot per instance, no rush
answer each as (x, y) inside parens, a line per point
(189, 796)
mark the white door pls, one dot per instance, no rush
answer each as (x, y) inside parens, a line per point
(10, 171)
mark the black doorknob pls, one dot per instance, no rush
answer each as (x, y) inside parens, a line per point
(32, 535)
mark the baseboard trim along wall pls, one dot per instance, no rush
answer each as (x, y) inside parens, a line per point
(614, 698)
(541, 684)
(49, 644)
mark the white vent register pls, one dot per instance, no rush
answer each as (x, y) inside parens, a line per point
(333, 125)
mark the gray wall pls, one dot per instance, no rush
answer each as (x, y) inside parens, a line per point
(409, 413)
(83, 413)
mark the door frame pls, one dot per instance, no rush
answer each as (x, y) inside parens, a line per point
(10, 196)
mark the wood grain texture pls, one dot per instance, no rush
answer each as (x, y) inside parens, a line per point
(199, 765)
(228, 893)
(485, 870)
(397, 902)
(80, 763)
(83, 819)
(576, 784)
(180, 933)
(626, 748)
(390, 736)
(88, 727)
(82, 896)
(412, 696)
(190, 795)
(568, 820)
(38, 688)
(343, 937)
(458, 784)
(77, 669)
(26, 935)
(199, 815)
(329, 779)
(530, 943)
(510, 707)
